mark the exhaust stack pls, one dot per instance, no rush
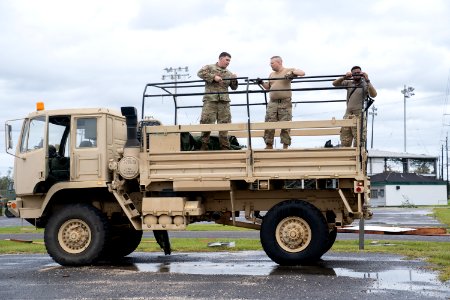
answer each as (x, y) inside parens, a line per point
(130, 113)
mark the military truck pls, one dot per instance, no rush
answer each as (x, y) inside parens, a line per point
(95, 179)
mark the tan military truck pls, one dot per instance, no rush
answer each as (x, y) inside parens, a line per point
(95, 179)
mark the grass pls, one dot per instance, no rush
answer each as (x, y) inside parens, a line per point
(200, 245)
(20, 229)
(443, 215)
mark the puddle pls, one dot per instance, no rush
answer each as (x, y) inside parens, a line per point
(391, 279)
(390, 273)
(400, 279)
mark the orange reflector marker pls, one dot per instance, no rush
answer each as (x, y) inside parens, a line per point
(39, 106)
(13, 205)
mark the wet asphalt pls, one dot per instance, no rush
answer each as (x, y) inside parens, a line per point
(225, 275)
(231, 275)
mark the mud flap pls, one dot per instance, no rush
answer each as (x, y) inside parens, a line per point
(162, 238)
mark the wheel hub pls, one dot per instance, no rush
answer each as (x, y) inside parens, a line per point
(74, 236)
(293, 234)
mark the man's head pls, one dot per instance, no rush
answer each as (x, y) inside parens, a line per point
(224, 60)
(276, 63)
(356, 73)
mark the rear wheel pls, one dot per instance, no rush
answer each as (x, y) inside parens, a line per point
(294, 232)
(331, 239)
(123, 242)
(76, 235)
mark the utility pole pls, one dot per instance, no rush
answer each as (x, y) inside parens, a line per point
(442, 162)
(446, 154)
(175, 74)
(407, 93)
(373, 113)
(446, 151)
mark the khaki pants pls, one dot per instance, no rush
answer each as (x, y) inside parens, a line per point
(278, 110)
(349, 134)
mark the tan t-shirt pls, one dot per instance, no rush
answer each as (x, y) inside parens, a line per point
(281, 84)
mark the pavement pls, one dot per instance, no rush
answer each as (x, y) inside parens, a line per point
(231, 275)
(221, 275)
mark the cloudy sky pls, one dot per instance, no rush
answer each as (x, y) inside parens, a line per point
(102, 53)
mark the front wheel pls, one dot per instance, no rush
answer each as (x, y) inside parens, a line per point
(9, 214)
(76, 235)
(294, 232)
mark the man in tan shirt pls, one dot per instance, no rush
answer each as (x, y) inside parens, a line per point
(358, 87)
(279, 107)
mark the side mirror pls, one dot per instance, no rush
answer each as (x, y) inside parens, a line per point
(9, 142)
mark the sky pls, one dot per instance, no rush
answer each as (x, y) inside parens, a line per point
(72, 54)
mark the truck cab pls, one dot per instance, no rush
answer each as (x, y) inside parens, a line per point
(63, 150)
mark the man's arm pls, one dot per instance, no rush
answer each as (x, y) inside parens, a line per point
(340, 80)
(372, 90)
(298, 72)
(206, 74)
(294, 73)
(233, 82)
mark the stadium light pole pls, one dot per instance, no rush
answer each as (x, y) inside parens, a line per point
(175, 74)
(407, 93)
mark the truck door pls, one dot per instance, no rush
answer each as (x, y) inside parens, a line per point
(87, 154)
(31, 156)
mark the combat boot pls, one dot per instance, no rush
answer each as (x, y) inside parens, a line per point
(269, 146)
(285, 146)
(204, 147)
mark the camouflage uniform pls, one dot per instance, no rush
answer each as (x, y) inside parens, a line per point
(357, 92)
(278, 110)
(279, 107)
(216, 107)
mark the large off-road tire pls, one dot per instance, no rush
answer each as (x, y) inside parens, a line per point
(123, 241)
(9, 214)
(76, 235)
(294, 232)
(331, 239)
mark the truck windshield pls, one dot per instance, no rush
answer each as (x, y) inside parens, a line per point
(33, 134)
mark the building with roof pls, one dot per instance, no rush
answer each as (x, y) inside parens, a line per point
(403, 179)
(385, 161)
(405, 189)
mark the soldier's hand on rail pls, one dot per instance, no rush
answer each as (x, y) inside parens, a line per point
(348, 75)
(290, 75)
(366, 76)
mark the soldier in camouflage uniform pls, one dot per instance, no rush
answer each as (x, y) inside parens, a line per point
(279, 107)
(359, 87)
(216, 107)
